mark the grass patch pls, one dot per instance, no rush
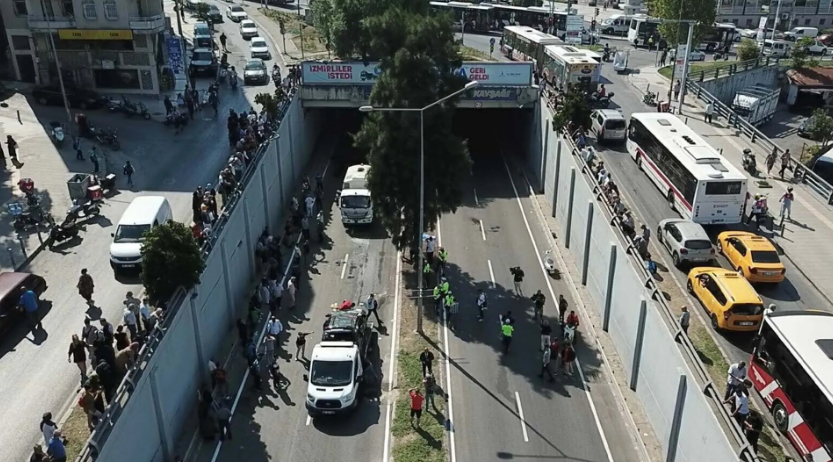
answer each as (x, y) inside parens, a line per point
(594, 47)
(426, 444)
(470, 54)
(76, 432)
(304, 36)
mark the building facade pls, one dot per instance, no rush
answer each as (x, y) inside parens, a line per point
(746, 14)
(107, 45)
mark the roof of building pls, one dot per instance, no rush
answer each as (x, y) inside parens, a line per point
(815, 77)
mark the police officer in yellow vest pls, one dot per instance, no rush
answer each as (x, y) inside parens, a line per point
(448, 303)
(444, 288)
(443, 259)
(438, 299)
(426, 274)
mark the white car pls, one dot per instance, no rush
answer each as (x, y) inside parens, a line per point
(236, 13)
(248, 29)
(748, 33)
(816, 48)
(259, 48)
(697, 55)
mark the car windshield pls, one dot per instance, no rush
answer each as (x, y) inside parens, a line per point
(130, 233)
(765, 256)
(201, 56)
(615, 124)
(248, 24)
(258, 43)
(331, 373)
(698, 244)
(747, 309)
(237, 9)
(255, 66)
(355, 202)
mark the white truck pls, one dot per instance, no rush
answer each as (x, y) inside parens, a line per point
(354, 199)
(339, 367)
(756, 104)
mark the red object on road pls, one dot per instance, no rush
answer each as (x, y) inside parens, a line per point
(27, 185)
(346, 305)
(95, 193)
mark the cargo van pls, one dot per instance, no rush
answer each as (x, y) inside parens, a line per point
(354, 199)
(797, 33)
(618, 24)
(776, 48)
(142, 215)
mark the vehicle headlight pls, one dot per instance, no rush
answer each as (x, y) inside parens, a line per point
(349, 397)
(310, 399)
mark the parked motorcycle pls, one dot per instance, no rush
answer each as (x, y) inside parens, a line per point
(114, 105)
(650, 99)
(57, 133)
(28, 216)
(107, 137)
(750, 164)
(63, 232)
(107, 183)
(139, 108)
(597, 101)
(88, 209)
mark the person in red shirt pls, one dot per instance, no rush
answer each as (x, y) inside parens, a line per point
(416, 405)
(346, 305)
(572, 319)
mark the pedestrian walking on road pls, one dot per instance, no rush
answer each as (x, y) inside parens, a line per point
(786, 203)
(562, 308)
(76, 145)
(373, 308)
(301, 345)
(29, 303)
(785, 163)
(517, 279)
(736, 376)
(685, 320)
(94, 159)
(568, 357)
(86, 286)
(223, 39)
(128, 172)
(416, 405)
(430, 385)
(12, 146)
(292, 288)
(426, 359)
(676, 90)
(223, 416)
(47, 427)
(770, 161)
(481, 304)
(545, 364)
(546, 334)
(78, 354)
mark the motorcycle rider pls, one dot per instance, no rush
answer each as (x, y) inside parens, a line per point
(602, 92)
(606, 53)
(749, 162)
(276, 75)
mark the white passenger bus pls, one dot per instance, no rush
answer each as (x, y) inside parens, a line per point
(641, 28)
(694, 178)
(521, 43)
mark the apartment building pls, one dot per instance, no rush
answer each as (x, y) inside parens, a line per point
(746, 14)
(108, 45)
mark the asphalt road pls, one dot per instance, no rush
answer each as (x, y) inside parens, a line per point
(501, 409)
(350, 264)
(36, 375)
(641, 195)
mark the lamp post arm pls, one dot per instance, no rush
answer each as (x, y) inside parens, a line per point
(444, 98)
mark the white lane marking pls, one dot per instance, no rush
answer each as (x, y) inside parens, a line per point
(476, 202)
(491, 273)
(521, 415)
(392, 359)
(439, 234)
(309, 419)
(552, 294)
(452, 444)
(482, 230)
(344, 265)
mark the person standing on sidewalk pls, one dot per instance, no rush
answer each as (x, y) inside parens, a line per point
(128, 172)
(292, 288)
(685, 320)
(76, 145)
(709, 112)
(86, 286)
(786, 204)
(770, 161)
(78, 354)
(131, 322)
(223, 39)
(426, 359)
(94, 159)
(676, 90)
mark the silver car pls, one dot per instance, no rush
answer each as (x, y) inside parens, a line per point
(686, 241)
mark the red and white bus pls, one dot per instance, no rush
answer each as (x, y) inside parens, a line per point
(693, 177)
(792, 370)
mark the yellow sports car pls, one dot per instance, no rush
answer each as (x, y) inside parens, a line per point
(751, 255)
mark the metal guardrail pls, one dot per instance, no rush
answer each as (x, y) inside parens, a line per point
(801, 173)
(116, 407)
(727, 68)
(745, 452)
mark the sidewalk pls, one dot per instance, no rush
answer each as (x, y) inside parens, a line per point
(806, 238)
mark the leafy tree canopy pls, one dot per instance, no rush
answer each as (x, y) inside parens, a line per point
(418, 63)
(800, 55)
(747, 49)
(674, 32)
(574, 110)
(820, 127)
(170, 259)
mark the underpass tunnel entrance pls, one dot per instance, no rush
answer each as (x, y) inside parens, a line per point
(343, 123)
(492, 131)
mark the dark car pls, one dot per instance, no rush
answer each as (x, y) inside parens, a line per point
(11, 285)
(77, 97)
(214, 14)
(255, 71)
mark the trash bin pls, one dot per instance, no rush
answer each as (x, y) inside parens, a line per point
(78, 185)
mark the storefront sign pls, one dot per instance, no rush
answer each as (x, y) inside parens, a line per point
(175, 61)
(78, 34)
(355, 73)
(679, 61)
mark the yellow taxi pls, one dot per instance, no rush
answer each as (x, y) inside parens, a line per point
(752, 255)
(731, 301)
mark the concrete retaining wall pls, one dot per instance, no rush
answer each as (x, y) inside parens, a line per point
(725, 88)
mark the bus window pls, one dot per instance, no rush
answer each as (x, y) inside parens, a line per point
(824, 168)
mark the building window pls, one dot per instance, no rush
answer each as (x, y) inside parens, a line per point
(807, 22)
(111, 11)
(821, 21)
(735, 22)
(119, 79)
(89, 9)
(748, 22)
(67, 8)
(20, 8)
(47, 10)
(21, 42)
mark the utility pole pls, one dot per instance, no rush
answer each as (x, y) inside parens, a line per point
(685, 66)
(777, 18)
(301, 27)
(180, 7)
(70, 123)
(462, 27)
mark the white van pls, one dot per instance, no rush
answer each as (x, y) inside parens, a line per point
(618, 24)
(142, 215)
(797, 33)
(776, 48)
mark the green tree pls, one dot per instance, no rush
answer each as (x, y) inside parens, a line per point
(271, 102)
(820, 127)
(324, 17)
(574, 109)
(418, 63)
(171, 258)
(674, 32)
(800, 54)
(201, 9)
(348, 26)
(747, 49)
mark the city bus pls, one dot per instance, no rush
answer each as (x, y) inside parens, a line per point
(791, 370)
(525, 43)
(469, 17)
(568, 66)
(720, 35)
(823, 167)
(693, 177)
(641, 28)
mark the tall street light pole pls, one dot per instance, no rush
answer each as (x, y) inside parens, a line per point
(420, 273)
(48, 18)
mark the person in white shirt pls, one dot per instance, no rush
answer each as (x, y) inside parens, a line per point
(481, 303)
(265, 296)
(130, 321)
(310, 205)
(737, 374)
(740, 404)
(276, 292)
(144, 312)
(274, 326)
(430, 247)
(292, 288)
